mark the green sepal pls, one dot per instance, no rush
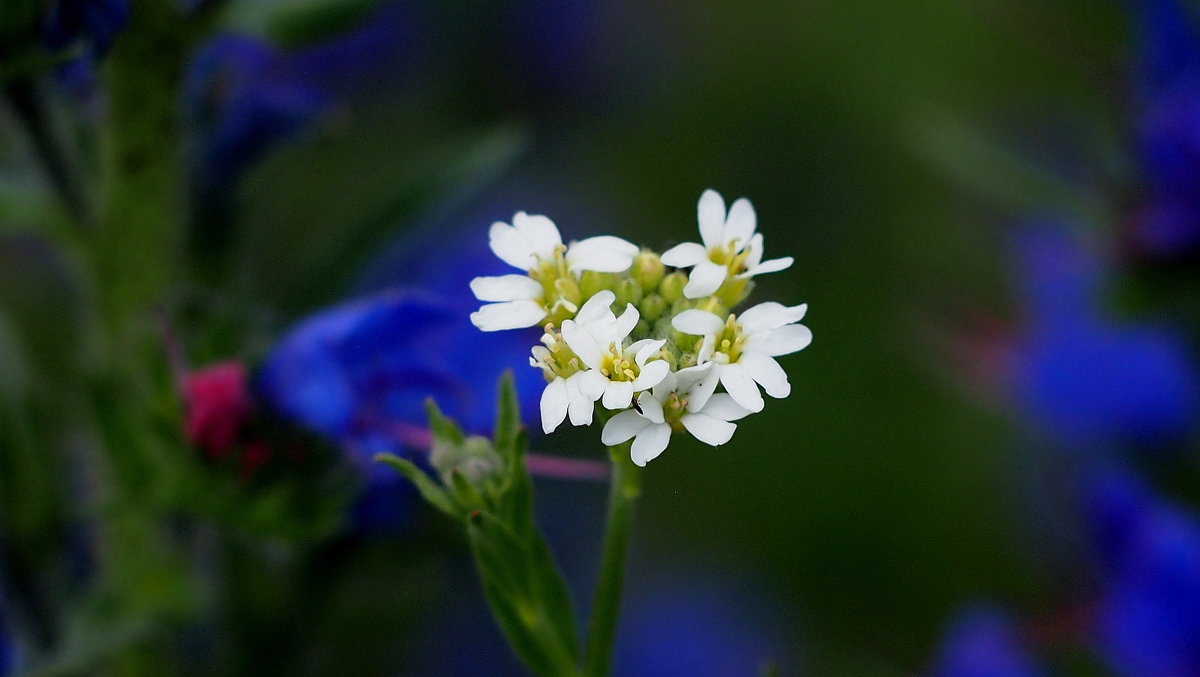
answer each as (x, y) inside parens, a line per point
(506, 434)
(430, 490)
(444, 430)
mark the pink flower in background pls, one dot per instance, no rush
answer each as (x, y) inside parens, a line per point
(217, 406)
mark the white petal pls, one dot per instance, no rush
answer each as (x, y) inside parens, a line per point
(705, 279)
(651, 407)
(723, 407)
(645, 349)
(690, 376)
(625, 324)
(740, 223)
(754, 257)
(591, 384)
(510, 315)
(649, 443)
(618, 395)
(597, 308)
(652, 374)
(554, 405)
(772, 266)
(700, 392)
(603, 254)
(540, 231)
(710, 213)
(781, 341)
(707, 347)
(511, 246)
(709, 430)
(664, 388)
(770, 315)
(697, 322)
(684, 255)
(767, 372)
(741, 387)
(506, 288)
(581, 343)
(581, 406)
(622, 427)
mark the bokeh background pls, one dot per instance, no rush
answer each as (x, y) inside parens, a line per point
(234, 241)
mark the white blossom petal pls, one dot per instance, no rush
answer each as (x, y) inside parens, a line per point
(700, 392)
(540, 231)
(625, 324)
(781, 341)
(581, 406)
(597, 308)
(622, 428)
(651, 375)
(754, 257)
(582, 343)
(554, 405)
(772, 266)
(618, 395)
(651, 408)
(766, 372)
(603, 254)
(510, 315)
(511, 246)
(649, 443)
(770, 315)
(684, 255)
(723, 406)
(591, 384)
(740, 224)
(506, 288)
(664, 388)
(709, 430)
(710, 214)
(697, 322)
(645, 349)
(706, 278)
(741, 387)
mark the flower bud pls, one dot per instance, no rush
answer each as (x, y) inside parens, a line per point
(671, 287)
(628, 291)
(647, 269)
(475, 459)
(567, 289)
(652, 307)
(591, 282)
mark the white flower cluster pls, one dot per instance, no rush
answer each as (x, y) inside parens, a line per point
(654, 368)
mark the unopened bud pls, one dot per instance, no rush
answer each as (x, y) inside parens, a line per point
(647, 269)
(652, 307)
(567, 289)
(475, 459)
(591, 282)
(671, 287)
(628, 291)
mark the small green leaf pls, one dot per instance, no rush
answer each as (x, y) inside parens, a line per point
(444, 429)
(430, 490)
(508, 420)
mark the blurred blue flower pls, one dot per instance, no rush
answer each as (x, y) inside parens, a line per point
(1168, 128)
(89, 25)
(695, 626)
(242, 97)
(8, 649)
(1087, 379)
(982, 642)
(1148, 614)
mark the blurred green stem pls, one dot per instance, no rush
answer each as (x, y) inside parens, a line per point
(30, 105)
(606, 605)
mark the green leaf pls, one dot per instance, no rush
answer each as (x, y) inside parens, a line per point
(527, 595)
(508, 421)
(444, 429)
(430, 490)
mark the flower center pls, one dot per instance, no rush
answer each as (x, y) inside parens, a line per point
(728, 255)
(729, 341)
(615, 365)
(556, 359)
(560, 291)
(673, 410)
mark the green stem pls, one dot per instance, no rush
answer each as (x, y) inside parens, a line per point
(602, 631)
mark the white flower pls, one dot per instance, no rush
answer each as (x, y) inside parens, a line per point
(730, 247)
(672, 405)
(614, 372)
(533, 244)
(744, 347)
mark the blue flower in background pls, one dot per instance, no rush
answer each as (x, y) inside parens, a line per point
(8, 650)
(1087, 379)
(695, 626)
(90, 25)
(1168, 128)
(1148, 614)
(982, 642)
(243, 97)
